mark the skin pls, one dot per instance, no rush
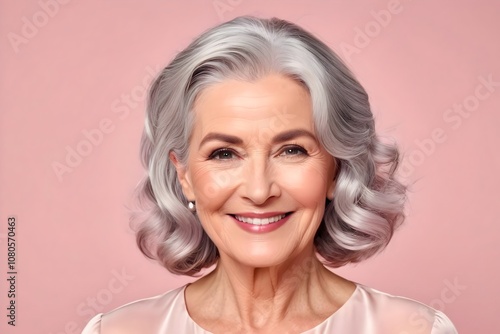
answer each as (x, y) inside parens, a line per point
(266, 282)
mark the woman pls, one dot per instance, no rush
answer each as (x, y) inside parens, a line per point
(263, 160)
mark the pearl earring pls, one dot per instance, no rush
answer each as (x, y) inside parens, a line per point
(191, 206)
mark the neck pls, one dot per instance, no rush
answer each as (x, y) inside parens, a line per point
(279, 281)
(261, 297)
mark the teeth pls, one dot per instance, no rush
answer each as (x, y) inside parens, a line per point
(258, 221)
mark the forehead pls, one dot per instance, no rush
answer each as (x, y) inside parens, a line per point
(269, 98)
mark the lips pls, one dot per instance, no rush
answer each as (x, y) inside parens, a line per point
(260, 219)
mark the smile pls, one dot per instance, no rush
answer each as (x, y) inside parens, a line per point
(260, 220)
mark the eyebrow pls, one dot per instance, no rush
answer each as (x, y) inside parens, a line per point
(279, 138)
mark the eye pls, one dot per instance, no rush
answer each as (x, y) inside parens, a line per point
(221, 154)
(294, 150)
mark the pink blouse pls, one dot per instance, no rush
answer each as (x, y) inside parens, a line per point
(366, 311)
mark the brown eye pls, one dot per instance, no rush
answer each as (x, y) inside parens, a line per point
(222, 154)
(293, 150)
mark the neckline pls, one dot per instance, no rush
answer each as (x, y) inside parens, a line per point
(349, 301)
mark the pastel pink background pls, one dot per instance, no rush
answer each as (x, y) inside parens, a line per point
(72, 73)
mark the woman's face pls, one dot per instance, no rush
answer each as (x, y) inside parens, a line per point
(256, 170)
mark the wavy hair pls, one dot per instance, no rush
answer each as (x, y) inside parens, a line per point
(368, 201)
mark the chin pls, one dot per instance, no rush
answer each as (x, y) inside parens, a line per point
(263, 257)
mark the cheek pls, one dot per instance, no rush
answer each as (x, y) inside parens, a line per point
(307, 184)
(213, 187)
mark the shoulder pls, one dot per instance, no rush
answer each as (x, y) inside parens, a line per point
(403, 315)
(148, 315)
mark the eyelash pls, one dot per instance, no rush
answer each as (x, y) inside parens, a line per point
(302, 151)
(213, 155)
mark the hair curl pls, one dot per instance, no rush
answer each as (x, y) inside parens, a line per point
(368, 201)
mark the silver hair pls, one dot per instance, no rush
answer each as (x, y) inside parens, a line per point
(368, 200)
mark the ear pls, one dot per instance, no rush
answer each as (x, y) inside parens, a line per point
(183, 176)
(331, 189)
(333, 182)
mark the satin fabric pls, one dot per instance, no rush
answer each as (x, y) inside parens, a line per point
(366, 311)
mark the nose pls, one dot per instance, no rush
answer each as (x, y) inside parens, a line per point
(259, 181)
